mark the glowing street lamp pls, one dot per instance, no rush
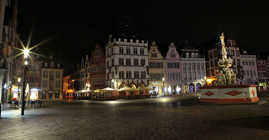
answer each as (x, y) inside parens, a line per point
(19, 79)
(26, 55)
(26, 51)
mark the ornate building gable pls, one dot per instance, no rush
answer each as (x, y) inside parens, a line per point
(154, 52)
(172, 53)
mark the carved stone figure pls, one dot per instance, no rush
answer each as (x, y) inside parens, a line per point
(221, 79)
(233, 78)
(223, 49)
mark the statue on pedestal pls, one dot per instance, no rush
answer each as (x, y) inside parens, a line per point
(226, 75)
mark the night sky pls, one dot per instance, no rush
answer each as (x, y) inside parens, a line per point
(74, 27)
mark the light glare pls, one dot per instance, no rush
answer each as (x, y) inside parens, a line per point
(26, 52)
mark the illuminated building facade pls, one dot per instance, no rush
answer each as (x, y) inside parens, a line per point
(70, 85)
(32, 77)
(263, 70)
(156, 70)
(51, 80)
(193, 69)
(249, 67)
(172, 71)
(126, 62)
(263, 74)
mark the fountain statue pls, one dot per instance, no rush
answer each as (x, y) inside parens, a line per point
(226, 76)
(225, 90)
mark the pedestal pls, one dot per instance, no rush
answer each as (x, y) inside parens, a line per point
(229, 94)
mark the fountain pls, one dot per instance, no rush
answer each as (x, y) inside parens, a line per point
(225, 89)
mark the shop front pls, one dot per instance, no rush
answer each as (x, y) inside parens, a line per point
(157, 88)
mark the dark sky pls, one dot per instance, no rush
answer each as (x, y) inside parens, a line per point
(75, 26)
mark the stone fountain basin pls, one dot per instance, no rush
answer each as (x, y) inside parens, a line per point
(229, 94)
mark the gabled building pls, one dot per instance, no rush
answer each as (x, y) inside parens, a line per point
(156, 70)
(172, 71)
(97, 69)
(84, 78)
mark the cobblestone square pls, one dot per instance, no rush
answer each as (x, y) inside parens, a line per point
(183, 120)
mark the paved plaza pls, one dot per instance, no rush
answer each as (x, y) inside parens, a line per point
(164, 119)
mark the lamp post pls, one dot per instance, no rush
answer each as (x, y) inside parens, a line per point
(163, 86)
(18, 80)
(26, 53)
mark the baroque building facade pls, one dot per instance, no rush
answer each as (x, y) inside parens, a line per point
(126, 62)
(156, 70)
(172, 71)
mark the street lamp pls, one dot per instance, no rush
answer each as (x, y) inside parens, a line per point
(26, 51)
(19, 80)
(26, 54)
(163, 85)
